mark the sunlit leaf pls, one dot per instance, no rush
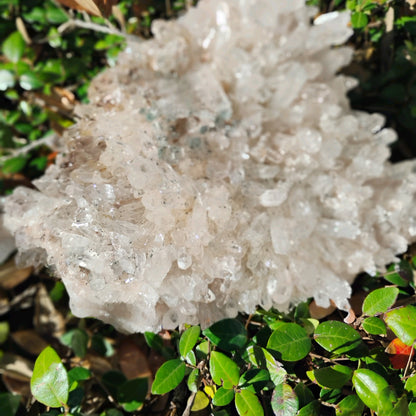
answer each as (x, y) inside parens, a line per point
(49, 383)
(248, 404)
(373, 390)
(169, 375)
(291, 341)
(337, 337)
(359, 20)
(192, 381)
(223, 397)
(188, 340)
(224, 371)
(380, 300)
(6, 80)
(402, 322)
(201, 401)
(254, 379)
(375, 326)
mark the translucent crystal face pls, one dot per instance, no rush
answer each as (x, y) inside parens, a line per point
(219, 167)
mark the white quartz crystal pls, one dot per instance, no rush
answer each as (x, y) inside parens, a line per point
(218, 167)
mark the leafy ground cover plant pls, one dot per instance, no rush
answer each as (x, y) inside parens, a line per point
(269, 363)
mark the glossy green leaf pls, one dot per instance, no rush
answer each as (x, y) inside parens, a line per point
(291, 341)
(191, 358)
(6, 80)
(14, 46)
(284, 401)
(402, 322)
(262, 358)
(132, 393)
(247, 404)
(410, 385)
(188, 340)
(154, 341)
(49, 383)
(373, 390)
(359, 20)
(254, 379)
(223, 397)
(9, 403)
(333, 377)
(350, 406)
(224, 371)
(201, 401)
(337, 337)
(169, 375)
(193, 380)
(78, 374)
(227, 334)
(380, 300)
(375, 326)
(393, 276)
(311, 409)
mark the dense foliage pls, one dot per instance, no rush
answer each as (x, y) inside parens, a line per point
(305, 362)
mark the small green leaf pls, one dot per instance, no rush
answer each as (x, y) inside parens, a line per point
(191, 358)
(350, 406)
(375, 326)
(380, 300)
(14, 46)
(169, 375)
(337, 337)
(224, 371)
(400, 408)
(373, 390)
(201, 401)
(284, 401)
(9, 403)
(402, 322)
(254, 379)
(6, 80)
(311, 409)
(410, 385)
(227, 334)
(77, 339)
(333, 377)
(223, 397)
(188, 340)
(291, 341)
(154, 341)
(78, 374)
(132, 393)
(193, 380)
(14, 164)
(49, 383)
(359, 20)
(248, 404)
(261, 358)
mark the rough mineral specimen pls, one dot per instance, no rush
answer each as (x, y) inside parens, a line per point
(218, 167)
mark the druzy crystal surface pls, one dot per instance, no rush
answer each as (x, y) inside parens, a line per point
(218, 167)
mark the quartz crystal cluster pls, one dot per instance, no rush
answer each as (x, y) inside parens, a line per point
(218, 166)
